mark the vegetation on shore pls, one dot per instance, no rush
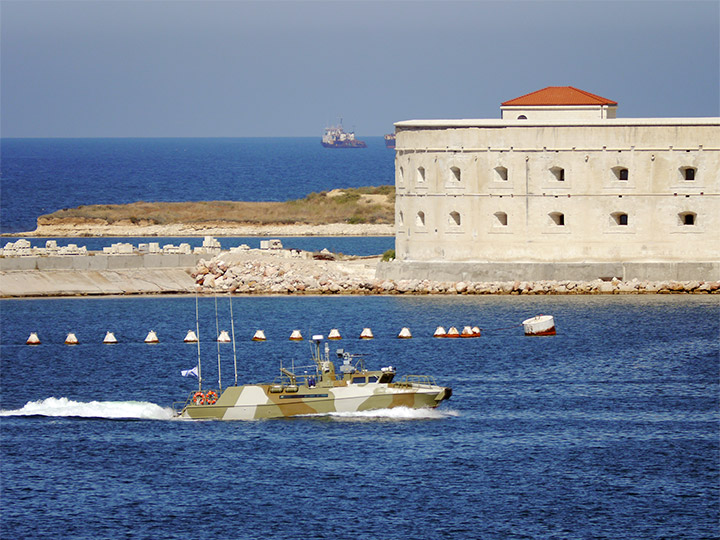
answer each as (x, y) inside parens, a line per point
(352, 205)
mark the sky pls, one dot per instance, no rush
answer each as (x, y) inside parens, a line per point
(171, 68)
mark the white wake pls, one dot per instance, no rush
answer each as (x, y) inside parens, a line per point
(141, 410)
(396, 413)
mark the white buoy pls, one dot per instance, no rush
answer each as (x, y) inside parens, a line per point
(71, 339)
(540, 325)
(440, 332)
(452, 332)
(476, 331)
(296, 336)
(259, 336)
(405, 333)
(152, 337)
(224, 337)
(190, 337)
(110, 338)
(467, 332)
(366, 334)
(33, 339)
(334, 334)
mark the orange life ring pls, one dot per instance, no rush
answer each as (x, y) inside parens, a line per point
(211, 397)
(198, 398)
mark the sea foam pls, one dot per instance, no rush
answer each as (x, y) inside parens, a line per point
(93, 409)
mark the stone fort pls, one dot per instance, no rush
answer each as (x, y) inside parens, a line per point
(557, 188)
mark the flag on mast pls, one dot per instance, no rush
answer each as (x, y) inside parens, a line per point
(188, 372)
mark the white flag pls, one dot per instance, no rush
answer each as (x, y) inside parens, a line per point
(188, 372)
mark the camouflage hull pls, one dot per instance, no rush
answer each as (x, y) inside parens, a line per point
(251, 402)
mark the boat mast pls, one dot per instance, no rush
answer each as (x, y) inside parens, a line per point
(197, 329)
(217, 332)
(232, 327)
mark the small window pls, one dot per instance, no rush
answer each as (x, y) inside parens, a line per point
(358, 380)
(688, 218)
(401, 219)
(455, 174)
(522, 117)
(688, 173)
(620, 218)
(420, 174)
(501, 218)
(454, 219)
(621, 173)
(401, 175)
(557, 218)
(502, 173)
(558, 173)
(420, 219)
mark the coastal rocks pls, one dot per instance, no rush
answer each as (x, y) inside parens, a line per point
(252, 272)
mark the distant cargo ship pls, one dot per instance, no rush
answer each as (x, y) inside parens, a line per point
(337, 137)
(390, 140)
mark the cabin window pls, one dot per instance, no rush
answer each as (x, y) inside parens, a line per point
(358, 380)
(688, 218)
(688, 173)
(501, 218)
(620, 218)
(420, 219)
(372, 379)
(421, 175)
(386, 377)
(558, 173)
(502, 173)
(454, 219)
(557, 218)
(454, 174)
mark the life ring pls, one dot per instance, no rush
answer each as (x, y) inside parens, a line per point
(211, 397)
(198, 398)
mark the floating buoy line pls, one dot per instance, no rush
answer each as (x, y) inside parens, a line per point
(539, 325)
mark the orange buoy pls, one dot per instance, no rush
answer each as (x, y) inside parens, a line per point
(71, 339)
(33, 339)
(259, 336)
(190, 337)
(223, 337)
(152, 337)
(452, 332)
(296, 336)
(467, 332)
(440, 332)
(110, 339)
(476, 331)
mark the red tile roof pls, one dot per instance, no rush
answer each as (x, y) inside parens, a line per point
(559, 95)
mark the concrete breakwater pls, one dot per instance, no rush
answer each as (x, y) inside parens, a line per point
(267, 274)
(97, 275)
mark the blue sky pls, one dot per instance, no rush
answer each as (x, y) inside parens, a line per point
(242, 69)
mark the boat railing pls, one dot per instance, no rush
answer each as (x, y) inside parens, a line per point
(179, 406)
(422, 381)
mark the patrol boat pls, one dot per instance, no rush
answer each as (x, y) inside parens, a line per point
(316, 389)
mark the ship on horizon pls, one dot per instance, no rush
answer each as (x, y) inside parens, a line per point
(337, 137)
(390, 140)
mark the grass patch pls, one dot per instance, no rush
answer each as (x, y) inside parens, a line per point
(352, 205)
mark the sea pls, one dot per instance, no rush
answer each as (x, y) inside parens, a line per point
(609, 429)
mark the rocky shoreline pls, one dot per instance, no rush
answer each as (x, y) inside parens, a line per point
(82, 228)
(248, 274)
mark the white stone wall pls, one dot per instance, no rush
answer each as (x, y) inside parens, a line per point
(508, 196)
(541, 113)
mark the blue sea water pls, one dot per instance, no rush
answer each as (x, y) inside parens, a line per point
(607, 430)
(40, 176)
